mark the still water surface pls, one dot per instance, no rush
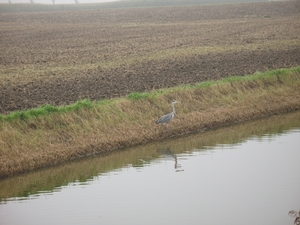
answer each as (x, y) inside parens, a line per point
(243, 174)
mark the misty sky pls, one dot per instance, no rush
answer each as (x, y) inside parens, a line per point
(56, 1)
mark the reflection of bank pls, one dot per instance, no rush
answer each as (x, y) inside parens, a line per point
(293, 213)
(167, 152)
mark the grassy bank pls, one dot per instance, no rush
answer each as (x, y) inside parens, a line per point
(85, 170)
(51, 135)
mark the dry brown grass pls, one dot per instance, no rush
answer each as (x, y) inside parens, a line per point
(59, 137)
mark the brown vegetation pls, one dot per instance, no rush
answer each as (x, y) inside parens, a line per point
(60, 57)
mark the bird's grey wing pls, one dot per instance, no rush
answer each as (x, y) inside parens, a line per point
(165, 119)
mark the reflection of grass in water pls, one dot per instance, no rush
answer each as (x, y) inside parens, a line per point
(84, 170)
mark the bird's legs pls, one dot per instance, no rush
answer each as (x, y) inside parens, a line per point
(167, 128)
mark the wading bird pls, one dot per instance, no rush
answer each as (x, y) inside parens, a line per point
(168, 117)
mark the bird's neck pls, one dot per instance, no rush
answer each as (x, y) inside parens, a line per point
(173, 108)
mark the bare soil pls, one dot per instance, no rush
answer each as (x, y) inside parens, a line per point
(60, 57)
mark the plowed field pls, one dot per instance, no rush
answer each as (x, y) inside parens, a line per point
(60, 57)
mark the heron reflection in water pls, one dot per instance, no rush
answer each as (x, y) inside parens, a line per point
(168, 152)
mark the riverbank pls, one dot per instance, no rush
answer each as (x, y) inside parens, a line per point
(32, 140)
(85, 170)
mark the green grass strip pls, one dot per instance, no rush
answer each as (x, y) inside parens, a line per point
(44, 110)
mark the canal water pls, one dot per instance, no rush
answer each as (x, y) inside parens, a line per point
(242, 174)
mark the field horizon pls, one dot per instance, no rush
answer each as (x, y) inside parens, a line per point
(37, 6)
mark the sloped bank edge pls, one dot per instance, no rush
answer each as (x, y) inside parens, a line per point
(275, 97)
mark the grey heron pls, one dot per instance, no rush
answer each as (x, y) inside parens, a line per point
(168, 117)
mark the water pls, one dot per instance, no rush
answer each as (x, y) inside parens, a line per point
(243, 174)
